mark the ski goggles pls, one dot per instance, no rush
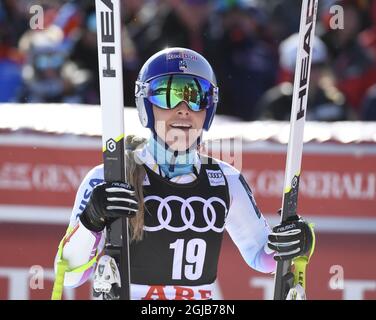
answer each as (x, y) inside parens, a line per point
(167, 91)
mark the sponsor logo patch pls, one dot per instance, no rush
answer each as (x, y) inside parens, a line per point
(216, 178)
(181, 55)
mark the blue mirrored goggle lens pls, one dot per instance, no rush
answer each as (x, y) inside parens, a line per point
(168, 91)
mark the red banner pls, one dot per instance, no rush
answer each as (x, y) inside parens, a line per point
(43, 176)
(331, 184)
(343, 184)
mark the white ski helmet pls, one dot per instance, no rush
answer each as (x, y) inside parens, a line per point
(289, 47)
(186, 68)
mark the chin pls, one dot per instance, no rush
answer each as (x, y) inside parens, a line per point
(179, 140)
(181, 145)
(176, 146)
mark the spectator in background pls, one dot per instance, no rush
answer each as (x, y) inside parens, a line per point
(14, 18)
(10, 70)
(191, 17)
(284, 17)
(157, 24)
(368, 111)
(353, 65)
(244, 57)
(137, 17)
(143, 21)
(48, 75)
(85, 52)
(368, 37)
(154, 25)
(325, 101)
(10, 58)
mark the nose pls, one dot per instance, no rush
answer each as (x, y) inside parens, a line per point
(183, 109)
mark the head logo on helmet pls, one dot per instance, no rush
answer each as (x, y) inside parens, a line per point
(169, 62)
(183, 65)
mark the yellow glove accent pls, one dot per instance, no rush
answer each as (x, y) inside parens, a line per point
(301, 262)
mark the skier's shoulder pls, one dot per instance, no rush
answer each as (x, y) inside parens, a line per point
(94, 176)
(96, 172)
(226, 168)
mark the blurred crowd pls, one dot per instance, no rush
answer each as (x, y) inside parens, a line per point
(250, 43)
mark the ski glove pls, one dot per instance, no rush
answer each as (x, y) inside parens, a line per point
(291, 239)
(109, 201)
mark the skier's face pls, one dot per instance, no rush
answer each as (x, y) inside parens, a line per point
(179, 127)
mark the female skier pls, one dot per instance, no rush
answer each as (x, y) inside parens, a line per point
(179, 201)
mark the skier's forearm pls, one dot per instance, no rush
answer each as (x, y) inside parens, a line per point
(246, 225)
(80, 248)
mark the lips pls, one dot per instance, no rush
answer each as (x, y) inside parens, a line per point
(181, 125)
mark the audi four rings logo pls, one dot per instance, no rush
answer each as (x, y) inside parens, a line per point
(187, 213)
(215, 175)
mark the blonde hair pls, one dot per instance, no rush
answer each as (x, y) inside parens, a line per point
(135, 174)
